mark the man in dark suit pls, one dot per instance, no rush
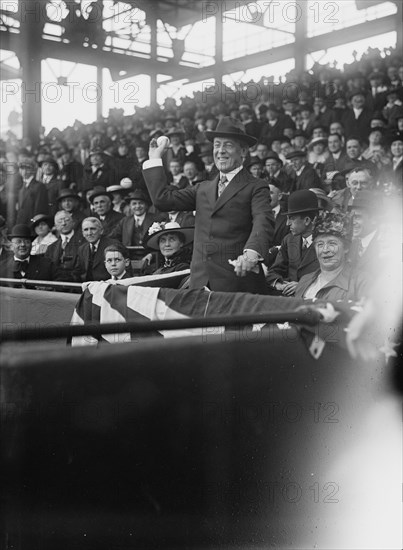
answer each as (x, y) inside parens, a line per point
(90, 264)
(357, 119)
(21, 265)
(101, 200)
(297, 255)
(184, 219)
(234, 222)
(97, 171)
(357, 180)
(281, 228)
(63, 253)
(366, 252)
(32, 196)
(275, 125)
(132, 230)
(306, 175)
(337, 158)
(53, 184)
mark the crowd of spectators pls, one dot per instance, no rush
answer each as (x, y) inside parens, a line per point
(79, 192)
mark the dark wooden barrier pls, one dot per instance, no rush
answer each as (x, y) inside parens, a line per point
(213, 442)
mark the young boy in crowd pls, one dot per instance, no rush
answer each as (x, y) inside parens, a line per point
(117, 262)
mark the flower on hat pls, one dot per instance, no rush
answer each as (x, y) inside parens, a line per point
(156, 226)
(337, 224)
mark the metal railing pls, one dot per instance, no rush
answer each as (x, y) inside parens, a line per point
(302, 316)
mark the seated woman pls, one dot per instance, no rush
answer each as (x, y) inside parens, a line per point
(172, 241)
(335, 280)
(42, 226)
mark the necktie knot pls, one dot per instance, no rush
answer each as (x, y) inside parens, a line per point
(222, 184)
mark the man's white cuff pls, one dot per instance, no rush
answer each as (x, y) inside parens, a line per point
(152, 163)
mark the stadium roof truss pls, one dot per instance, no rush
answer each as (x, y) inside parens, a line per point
(149, 37)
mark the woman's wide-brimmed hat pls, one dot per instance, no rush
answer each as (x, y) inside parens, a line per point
(231, 128)
(41, 218)
(158, 229)
(337, 224)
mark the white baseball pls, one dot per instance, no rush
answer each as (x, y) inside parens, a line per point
(126, 183)
(163, 140)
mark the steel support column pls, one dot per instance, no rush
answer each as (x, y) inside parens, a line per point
(152, 21)
(300, 47)
(219, 33)
(30, 55)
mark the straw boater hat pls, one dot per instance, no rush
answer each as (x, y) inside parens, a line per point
(157, 230)
(231, 128)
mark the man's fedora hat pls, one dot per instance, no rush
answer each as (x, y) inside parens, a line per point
(50, 160)
(272, 155)
(302, 201)
(169, 227)
(231, 128)
(175, 132)
(254, 161)
(296, 154)
(67, 193)
(137, 195)
(98, 191)
(21, 230)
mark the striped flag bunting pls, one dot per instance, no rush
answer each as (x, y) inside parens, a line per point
(103, 302)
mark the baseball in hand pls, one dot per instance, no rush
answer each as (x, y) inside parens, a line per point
(163, 140)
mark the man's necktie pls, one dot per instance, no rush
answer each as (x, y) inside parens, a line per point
(90, 262)
(20, 267)
(137, 222)
(360, 248)
(222, 184)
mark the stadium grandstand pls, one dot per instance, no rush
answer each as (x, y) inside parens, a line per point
(200, 274)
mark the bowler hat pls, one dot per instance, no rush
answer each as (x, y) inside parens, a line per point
(296, 154)
(231, 128)
(66, 193)
(272, 155)
(393, 135)
(157, 230)
(302, 201)
(50, 160)
(356, 91)
(137, 195)
(27, 163)
(96, 151)
(98, 191)
(41, 218)
(338, 224)
(253, 161)
(175, 132)
(21, 230)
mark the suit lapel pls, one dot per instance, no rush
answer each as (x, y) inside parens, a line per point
(237, 183)
(211, 190)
